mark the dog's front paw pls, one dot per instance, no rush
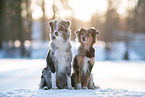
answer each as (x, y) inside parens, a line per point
(79, 86)
(45, 88)
(70, 88)
(85, 87)
(54, 88)
(93, 88)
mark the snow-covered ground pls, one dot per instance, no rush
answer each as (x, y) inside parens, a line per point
(20, 78)
(71, 93)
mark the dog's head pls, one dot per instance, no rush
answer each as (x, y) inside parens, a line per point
(87, 37)
(60, 30)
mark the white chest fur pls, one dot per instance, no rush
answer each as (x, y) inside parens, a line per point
(60, 56)
(60, 60)
(85, 64)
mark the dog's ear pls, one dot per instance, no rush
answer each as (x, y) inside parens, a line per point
(77, 33)
(94, 34)
(82, 29)
(94, 31)
(68, 23)
(51, 25)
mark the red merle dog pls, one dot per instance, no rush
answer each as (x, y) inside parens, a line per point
(84, 59)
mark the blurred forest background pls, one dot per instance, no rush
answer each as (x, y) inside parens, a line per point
(24, 25)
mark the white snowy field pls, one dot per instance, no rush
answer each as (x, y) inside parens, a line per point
(20, 78)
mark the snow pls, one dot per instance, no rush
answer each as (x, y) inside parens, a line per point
(70, 93)
(128, 75)
(21, 77)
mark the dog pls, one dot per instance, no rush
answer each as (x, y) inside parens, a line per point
(57, 73)
(84, 59)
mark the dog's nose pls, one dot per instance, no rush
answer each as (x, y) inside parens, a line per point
(83, 39)
(56, 33)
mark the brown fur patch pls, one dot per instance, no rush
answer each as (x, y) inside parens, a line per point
(86, 79)
(82, 53)
(80, 60)
(92, 60)
(87, 38)
(87, 44)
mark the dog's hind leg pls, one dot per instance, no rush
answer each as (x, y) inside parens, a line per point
(42, 82)
(91, 84)
(45, 82)
(48, 78)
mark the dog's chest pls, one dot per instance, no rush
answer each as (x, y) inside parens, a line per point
(61, 52)
(85, 64)
(61, 57)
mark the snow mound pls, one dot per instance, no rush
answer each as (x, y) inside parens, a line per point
(69, 93)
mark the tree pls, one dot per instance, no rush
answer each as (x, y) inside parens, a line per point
(111, 25)
(97, 21)
(2, 2)
(139, 14)
(55, 9)
(28, 25)
(43, 19)
(12, 25)
(112, 22)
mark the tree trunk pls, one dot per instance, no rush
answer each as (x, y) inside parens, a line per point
(2, 3)
(45, 35)
(54, 10)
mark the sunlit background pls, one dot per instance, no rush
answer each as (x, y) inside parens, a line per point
(24, 31)
(120, 22)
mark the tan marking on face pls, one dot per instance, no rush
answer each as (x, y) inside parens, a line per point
(89, 38)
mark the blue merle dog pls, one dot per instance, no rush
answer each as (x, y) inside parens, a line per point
(57, 73)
